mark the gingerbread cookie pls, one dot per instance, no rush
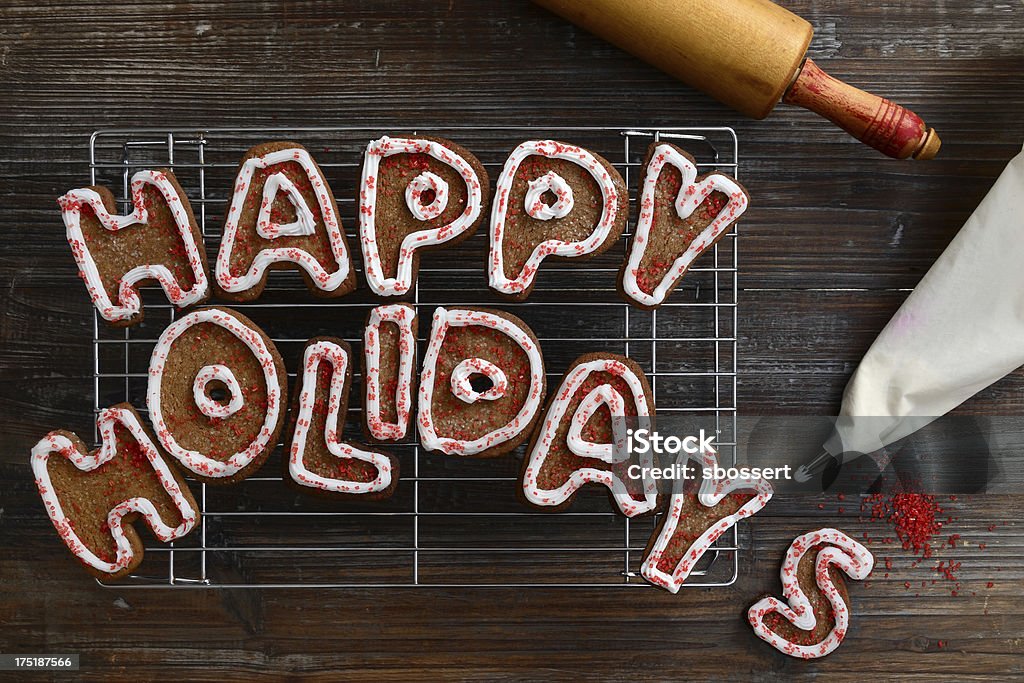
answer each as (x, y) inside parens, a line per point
(216, 393)
(552, 199)
(389, 363)
(319, 459)
(694, 521)
(94, 498)
(495, 414)
(582, 437)
(816, 616)
(158, 242)
(681, 216)
(282, 215)
(416, 193)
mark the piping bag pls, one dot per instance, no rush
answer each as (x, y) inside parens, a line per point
(960, 330)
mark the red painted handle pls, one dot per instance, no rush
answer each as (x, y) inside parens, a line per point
(875, 121)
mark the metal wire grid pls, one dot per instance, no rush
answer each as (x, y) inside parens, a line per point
(188, 561)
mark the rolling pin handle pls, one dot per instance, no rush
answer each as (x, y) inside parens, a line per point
(891, 129)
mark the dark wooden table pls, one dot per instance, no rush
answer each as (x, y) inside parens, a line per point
(836, 236)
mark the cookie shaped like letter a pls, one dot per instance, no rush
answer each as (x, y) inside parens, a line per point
(694, 521)
(681, 216)
(582, 438)
(416, 193)
(159, 241)
(816, 615)
(552, 199)
(216, 394)
(319, 459)
(93, 498)
(501, 354)
(389, 361)
(282, 215)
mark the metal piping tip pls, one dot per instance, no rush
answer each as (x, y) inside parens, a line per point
(808, 471)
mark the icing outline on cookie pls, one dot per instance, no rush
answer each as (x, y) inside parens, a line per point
(551, 247)
(384, 147)
(321, 278)
(460, 317)
(402, 316)
(843, 552)
(691, 195)
(129, 303)
(58, 443)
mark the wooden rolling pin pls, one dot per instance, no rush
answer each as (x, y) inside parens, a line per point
(749, 54)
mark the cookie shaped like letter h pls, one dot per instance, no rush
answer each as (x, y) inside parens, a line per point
(92, 498)
(158, 241)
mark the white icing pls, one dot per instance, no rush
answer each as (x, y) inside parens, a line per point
(551, 247)
(196, 461)
(463, 389)
(414, 196)
(598, 396)
(207, 406)
(535, 205)
(443, 320)
(63, 446)
(402, 316)
(304, 223)
(712, 492)
(129, 303)
(691, 195)
(584, 475)
(377, 150)
(843, 552)
(315, 354)
(321, 278)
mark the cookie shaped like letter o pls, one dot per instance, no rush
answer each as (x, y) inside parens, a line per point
(415, 193)
(816, 615)
(319, 459)
(681, 216)
(216, 394)
(552, 199)
(578, 442)
(481, 384)
(93, 498)
(282, 215)
(158, 242)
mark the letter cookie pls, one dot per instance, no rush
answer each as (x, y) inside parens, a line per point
(581, 442)
(216, 394)
(282, 215)
(457, 417)
(416, 192)
(318, 458)
(389, 364)
(681, 216)
(159, 241)
(94, 498)
(552, 199)
(693, 522)
(817, 616)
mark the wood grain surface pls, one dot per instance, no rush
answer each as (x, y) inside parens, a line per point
(836, 236)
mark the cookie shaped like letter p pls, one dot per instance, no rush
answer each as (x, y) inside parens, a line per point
(158, 241)
(93, 498)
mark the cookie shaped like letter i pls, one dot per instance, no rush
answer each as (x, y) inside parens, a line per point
(93, 498)
(816, 615)
(158, 241)
(282, 215)
(416, 193)
(216, 394)
(552, 199)
(681, 216)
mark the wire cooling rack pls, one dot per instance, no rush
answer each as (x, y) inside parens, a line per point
(452, 521)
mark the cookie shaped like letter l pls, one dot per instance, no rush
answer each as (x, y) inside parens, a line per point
(93, 498)
(159, 241)
(817, 616)
(282, 215)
